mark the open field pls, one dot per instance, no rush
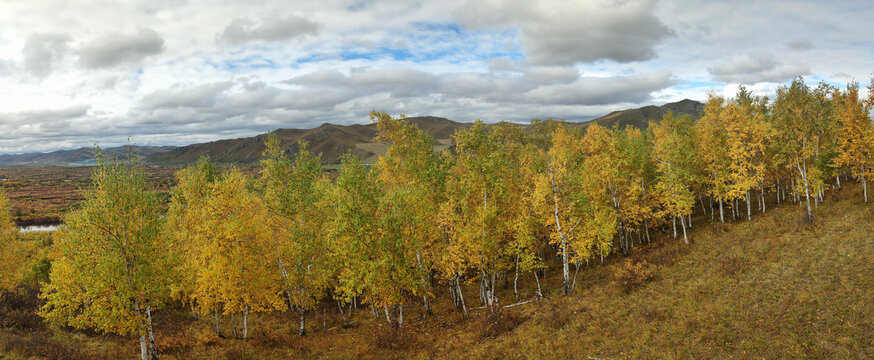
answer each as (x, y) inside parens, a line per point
(771, 288)
(42, 194)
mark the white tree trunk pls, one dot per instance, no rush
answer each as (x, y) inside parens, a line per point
(153, 351)
(144, 352)
(460, 295)
(246, 322)
(683, 224)
(303, 328)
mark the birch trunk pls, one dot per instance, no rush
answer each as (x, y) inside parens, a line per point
(683, 224)
(865, 188)
(302, 331)
(153, 351)
(749, 207)
(806, 190)
(218, 322)
(425, 283)
(460, 295)
(646, 228)
(539, 293)
(245, 322)
(516, 279)
(144, 352)
(564, 258)
(401, 315)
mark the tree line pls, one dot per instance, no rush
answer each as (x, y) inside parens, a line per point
(497, 205)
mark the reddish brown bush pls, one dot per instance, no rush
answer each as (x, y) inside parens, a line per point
(631, 275)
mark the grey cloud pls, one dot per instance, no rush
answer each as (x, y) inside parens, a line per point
(42, 51)
(552, 74)
(564, 33)
(115, 49)
(272, 28)
(399, 82)
(756, 68)
(46, 123)
(601, 91)
(800, 44)
(503, 64)
(202, 96)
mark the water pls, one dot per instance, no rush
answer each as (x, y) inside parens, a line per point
(33, 228)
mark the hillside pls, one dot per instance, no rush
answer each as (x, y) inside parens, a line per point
(71, 157)
(332, 141)
(771, 288)
(640, 117)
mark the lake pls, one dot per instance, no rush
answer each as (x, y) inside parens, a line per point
(32, 228)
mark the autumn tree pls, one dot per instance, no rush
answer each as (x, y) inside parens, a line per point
(9, 260)
(797, 121)
(674, 152)
(188, 200)
(856, 138)
(113, 267)
(713, 154)
(613, 177)
(560, 197)
(295, 194)
(369, 236)
(748, 137)
(233, 274)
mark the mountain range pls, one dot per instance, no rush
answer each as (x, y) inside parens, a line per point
(330, 140)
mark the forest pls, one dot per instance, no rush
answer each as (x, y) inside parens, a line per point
(500, 206)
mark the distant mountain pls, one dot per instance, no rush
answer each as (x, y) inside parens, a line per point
(80, 156)
(640, 117)
(330, 140)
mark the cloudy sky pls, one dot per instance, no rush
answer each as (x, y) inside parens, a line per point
(174, 72)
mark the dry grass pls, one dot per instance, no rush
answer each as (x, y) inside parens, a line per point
(771, 288)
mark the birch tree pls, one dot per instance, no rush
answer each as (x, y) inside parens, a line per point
(797, 131)
(560, 197)
(112, 267)
(856, 137)
(674, 152)
(295, 195)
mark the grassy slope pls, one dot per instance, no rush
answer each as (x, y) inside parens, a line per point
(772, 288)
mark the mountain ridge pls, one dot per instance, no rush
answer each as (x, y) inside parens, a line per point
(330, 140)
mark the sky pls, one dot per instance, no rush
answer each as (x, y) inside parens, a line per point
(176, 72)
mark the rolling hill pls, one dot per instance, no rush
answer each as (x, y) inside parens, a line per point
(331, 140)
(80, 156)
